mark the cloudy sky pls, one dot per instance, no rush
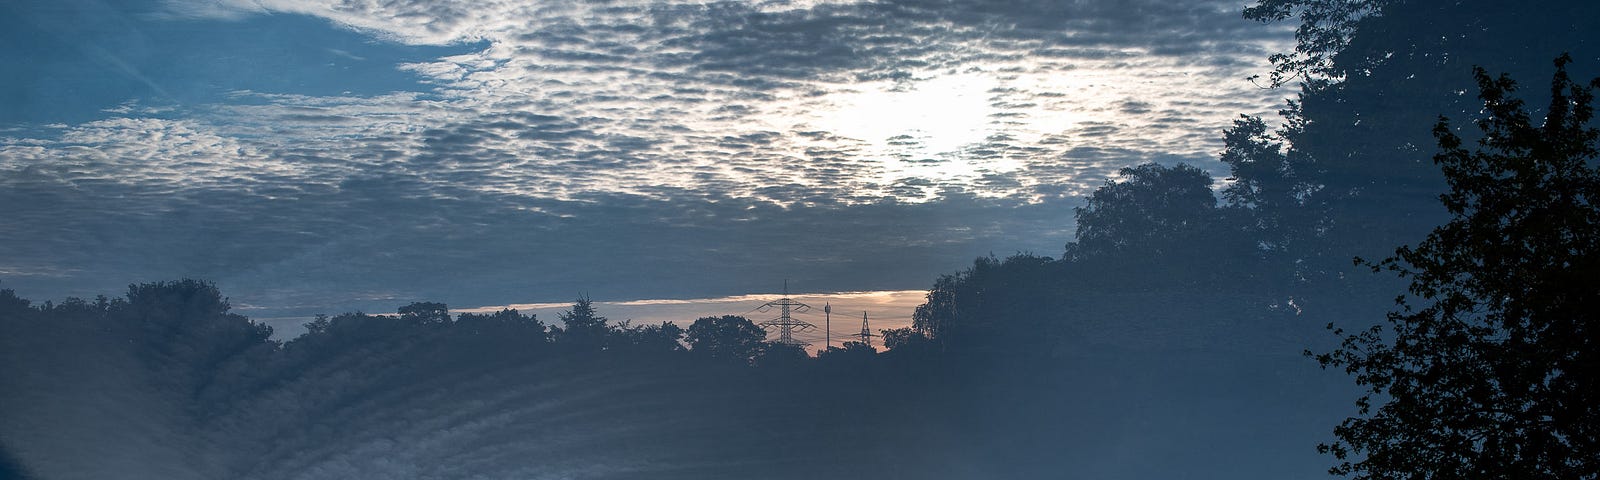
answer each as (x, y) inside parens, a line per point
(327, 156)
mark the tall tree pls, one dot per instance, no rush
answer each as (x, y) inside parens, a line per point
(1151, 211)
(1488, 369)
(995, 306)
(1272, 184)
(186, 328)
(1372, 76)
(583, 325)
(1326, 30)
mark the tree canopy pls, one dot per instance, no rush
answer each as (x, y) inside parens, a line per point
(1487, 369)
(1151, 211)
(728, 337)
(583, 325)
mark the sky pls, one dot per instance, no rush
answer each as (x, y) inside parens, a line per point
(330, 156)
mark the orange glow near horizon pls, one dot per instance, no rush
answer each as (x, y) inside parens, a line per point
(885, 309)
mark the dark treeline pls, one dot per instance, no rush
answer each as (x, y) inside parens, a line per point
(1165, 341)
(164, 381)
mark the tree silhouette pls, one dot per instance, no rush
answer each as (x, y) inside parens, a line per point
(994, 306)
(778, 355)
(1488, 368)
(505, 321)
(583, 326)
(728, 337)
(1325, 31)
(1153, 211)
(661, 338)
(186, 330)
(904, 339)
(12, 306)
(1373, 77)
(1273, 185)
(425, 313)
(505, 330)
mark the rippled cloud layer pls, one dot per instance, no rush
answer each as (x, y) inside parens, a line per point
(506, 151)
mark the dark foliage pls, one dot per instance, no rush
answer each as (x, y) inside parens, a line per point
(1272, 191)
(729, 338)
(1325, 31)
(583, 327)
(849, 353)
(994, 306)
(1348, 174)
(663, 338)
(779, 355)
(1151, 213)
(905, 339)
(1487, 370)
(505, 326)
(425, 313)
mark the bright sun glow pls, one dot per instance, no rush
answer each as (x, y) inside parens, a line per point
(928, 117)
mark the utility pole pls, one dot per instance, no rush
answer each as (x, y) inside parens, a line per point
(785, 323)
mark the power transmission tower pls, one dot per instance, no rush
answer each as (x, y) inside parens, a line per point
(785, 323)
(866, 333)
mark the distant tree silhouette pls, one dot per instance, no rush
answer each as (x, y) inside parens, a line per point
(846, 357)
(857, 348)
(354, 326)
(506, 329)
(728, 337)
(848, 352)
(12, 306)
(505, 320)
(994, 306)
(1153, 211)
(665, 337)
(904, 339)
(1488, 368)
(185, 330)
(779, 355)
(425, 313)
(358, 337)
(583, 326)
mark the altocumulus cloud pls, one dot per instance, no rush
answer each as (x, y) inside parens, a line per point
(626, 149)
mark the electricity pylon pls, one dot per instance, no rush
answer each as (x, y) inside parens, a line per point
(866, 333)
(786, 324)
